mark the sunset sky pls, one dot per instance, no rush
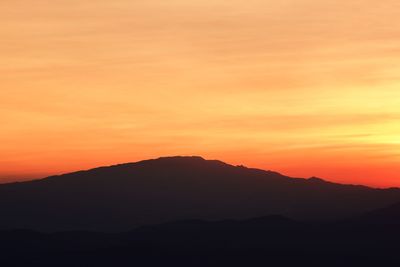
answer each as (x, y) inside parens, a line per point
(303, 87)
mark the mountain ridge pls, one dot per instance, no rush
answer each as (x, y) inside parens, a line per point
(123, 196)
(196, 158)
(252, 242)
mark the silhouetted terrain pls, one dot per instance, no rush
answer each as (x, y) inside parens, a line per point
(121, 197)
(266, 241)
(187, 211)
(385, 216)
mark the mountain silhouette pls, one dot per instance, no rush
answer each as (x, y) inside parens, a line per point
(389, 215)
(266, 241)
(121, 197)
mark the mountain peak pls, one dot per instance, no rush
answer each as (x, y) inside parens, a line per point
(316, 179)
(176, 188)
(182, 158)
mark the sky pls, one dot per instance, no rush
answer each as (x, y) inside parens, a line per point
(303, 87)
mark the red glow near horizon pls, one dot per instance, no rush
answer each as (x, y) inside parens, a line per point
(287, 86)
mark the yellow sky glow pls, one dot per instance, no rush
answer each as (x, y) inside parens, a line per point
(305, 87)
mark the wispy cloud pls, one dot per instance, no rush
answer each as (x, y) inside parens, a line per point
(289, 79)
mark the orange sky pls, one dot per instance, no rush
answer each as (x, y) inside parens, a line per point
(304, 87)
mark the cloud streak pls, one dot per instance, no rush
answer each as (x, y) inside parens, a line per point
(88, 82)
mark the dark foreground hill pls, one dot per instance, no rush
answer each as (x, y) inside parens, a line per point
(120, 197)
(267, 241)
(389, 215)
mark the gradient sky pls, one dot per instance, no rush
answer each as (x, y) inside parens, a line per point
(304, 87)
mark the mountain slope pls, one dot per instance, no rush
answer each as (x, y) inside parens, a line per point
(389, 215)
(266, 241)
(176, 188)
